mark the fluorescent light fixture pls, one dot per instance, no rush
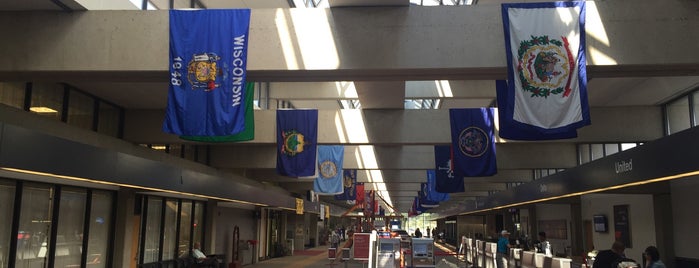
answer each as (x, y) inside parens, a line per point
(158, 147)
(42, 110)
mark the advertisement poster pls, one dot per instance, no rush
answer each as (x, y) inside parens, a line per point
(622, 232)
(361, 246)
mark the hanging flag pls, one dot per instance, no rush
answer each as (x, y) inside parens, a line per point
(359, 193)
(546, 66)
(248, 133)
(349, 182)
(473, 141)
(424, 201)
(419, 208)
(382, 211)
(447, 180)
(329, 180)
(432, 193)
(513, 130)
(208, 57)
(296, 142)
(369, 203)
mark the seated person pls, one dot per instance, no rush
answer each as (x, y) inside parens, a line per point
(201, 258)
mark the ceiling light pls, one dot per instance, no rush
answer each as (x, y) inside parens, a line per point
(42, 110)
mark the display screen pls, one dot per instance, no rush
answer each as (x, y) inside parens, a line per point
(600, 223)
(386, 247)
(420, 249)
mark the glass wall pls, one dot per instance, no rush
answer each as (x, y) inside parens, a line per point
(34, 226)
(108, 119)
(592, 151)
(678, 115)
(198, 224)
(184, 243)
(81, 110)
(170, 231)
(100, 226)
(151, 248)
(7, 202)
(71, 221)
(12, 94)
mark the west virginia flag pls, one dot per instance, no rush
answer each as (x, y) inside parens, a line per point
(545, 47)
(208, 57)
(329, 180)
(297, 132)
(473, 141)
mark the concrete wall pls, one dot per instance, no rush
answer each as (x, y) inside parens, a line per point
(226, 218)
(353, 40)
(641, 220)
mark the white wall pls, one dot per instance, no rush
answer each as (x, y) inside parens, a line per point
(226, 219)
(685, 212)
(554, 212)
(641, 220)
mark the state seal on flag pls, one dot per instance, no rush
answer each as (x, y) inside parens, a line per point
(473, 141)
(545, 66)
(202, 71)
(293, 142)
(328, 169)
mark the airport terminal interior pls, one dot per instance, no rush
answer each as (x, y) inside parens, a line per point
(88, 178)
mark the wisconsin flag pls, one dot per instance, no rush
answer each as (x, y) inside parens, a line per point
(446, 179)
(431, 190)
(545, 47)
(247, 134)
(329, 180)
(349, 183)
(473, 141)
(297, 132)
(208, 57)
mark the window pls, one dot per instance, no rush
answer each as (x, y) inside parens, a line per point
(198, 223)
(109, 119)
(169, 236)
(47, 100)
(12, 94)
(34, 226)
(151, 248)
(71, 219)
(80, 110)
(597, 151)
(185, 231)
(100, 224)
(610, 149)
(7, 202)
(678, 115)
(584, 151)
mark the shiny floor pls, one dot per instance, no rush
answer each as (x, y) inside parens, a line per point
(318, 258)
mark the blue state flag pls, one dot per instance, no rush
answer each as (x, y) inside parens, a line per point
(424, 201)
(297, 132)
(472, 138)
(546, 75)
(513, 130)
(432, 193)
(446, 179)
(329, 180)
(349, 182)
(208, 58)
